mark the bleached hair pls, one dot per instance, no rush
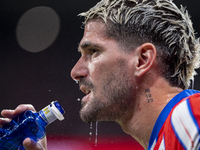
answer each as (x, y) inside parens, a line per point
(161, 22)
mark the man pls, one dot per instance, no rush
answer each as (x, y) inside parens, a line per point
(137, 60)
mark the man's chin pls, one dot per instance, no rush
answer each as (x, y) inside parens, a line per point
(88, 116)
(87, 120)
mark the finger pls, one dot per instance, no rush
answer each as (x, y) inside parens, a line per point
(30, 144)
(21, 108)
(4, 121)
(43, 142)
(13, 113)
(7, 113)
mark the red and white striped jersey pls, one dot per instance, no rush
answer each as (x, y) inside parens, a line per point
(177, 127)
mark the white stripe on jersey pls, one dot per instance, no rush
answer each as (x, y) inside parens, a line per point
(153, 145)
(162, 144)
(184, 126)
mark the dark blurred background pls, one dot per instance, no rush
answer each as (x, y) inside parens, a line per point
(38, 48)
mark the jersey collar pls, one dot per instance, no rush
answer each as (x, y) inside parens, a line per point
(165, 112)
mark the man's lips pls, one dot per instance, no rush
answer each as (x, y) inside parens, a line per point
(85, 90)
(86, 98)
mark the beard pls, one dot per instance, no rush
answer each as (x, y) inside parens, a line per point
(115, 99)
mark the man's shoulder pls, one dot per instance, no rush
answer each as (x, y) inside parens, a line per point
(185, 121)
(190, 104)
(181, 125)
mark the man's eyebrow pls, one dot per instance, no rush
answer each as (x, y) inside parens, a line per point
(88, 44)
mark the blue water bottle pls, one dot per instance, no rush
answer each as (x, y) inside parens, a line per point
(29, 124)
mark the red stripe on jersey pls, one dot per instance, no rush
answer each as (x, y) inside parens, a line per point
(194, 101)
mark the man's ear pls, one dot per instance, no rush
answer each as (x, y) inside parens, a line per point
(146, 56)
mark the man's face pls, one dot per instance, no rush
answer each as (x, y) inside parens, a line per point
(104, 75)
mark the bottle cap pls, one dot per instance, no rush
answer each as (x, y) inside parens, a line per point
(57, 110)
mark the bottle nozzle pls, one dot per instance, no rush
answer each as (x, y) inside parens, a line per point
(57, 110)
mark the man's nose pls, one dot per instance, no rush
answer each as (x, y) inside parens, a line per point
(79, 70)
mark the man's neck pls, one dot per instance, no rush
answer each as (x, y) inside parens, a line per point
(151, 102)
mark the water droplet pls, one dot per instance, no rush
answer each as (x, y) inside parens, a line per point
(76, 81)
(49, 90)
(79, 99)
(90, 133)
(96, 133)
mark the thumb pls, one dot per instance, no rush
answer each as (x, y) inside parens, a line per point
(30, 144)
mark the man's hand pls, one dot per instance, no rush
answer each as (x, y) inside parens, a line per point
(32, 145)
(28, 143)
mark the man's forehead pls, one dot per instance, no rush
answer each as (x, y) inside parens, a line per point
(95, 25)
(94, 33)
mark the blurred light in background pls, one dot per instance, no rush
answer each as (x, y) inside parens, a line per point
(38, 28)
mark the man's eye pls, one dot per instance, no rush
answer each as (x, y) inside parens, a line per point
(93, 51)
